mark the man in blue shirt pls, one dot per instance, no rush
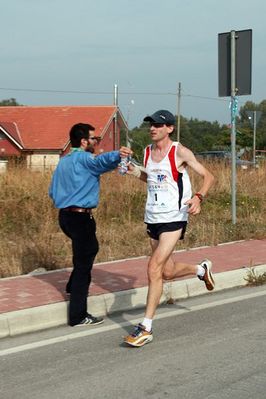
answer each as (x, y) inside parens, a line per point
(74, 190)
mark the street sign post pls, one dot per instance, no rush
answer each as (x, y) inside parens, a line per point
(234, 60)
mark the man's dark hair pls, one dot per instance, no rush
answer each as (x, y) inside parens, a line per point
(78, 132)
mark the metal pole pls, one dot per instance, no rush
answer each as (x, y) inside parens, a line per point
(178, 111)
(254, 137)
(233, 124)
(127, 129)
(127, 134)
(115, 117)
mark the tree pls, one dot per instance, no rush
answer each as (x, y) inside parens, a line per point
(244, 123)
(139, 138)
(10, 102)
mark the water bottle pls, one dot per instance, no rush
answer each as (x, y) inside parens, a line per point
(122, 170)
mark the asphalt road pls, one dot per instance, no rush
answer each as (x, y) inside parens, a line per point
(210, 347)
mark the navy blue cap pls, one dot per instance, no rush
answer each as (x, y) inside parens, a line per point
(162, 116)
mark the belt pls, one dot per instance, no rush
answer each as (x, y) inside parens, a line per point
(76, 209)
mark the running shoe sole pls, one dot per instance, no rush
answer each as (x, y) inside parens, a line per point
(139, 336)
(208, 278)
(85, 324)
(141, 341)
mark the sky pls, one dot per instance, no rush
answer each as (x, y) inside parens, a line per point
(65, 52)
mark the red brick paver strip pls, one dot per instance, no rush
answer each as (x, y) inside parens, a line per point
(41, 289)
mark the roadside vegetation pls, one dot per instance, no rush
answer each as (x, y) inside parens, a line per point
(31, 238)
(253, 278)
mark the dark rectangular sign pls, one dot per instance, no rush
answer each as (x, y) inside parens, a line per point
(243, 59)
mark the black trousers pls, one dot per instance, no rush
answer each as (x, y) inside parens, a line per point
(81, 229)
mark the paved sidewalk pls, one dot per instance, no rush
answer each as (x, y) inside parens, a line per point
(35, 302)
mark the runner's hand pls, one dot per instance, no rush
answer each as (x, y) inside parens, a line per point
(194, 205)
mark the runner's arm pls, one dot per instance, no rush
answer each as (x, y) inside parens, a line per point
(187, 156)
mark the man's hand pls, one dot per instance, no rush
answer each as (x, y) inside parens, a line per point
(125, 152)
(194, 205)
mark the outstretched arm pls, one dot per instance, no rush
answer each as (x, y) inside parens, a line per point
(107, 161)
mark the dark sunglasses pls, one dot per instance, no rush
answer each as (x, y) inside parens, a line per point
(95, 138)
(157, 125)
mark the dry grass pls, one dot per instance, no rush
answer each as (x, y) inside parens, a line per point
(254, 279)
(31, 238)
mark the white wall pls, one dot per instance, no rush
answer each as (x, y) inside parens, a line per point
(3, 166)
(41, 162)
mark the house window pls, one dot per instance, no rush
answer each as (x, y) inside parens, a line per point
(2, 136)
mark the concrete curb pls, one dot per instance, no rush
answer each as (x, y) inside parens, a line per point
(54, 315)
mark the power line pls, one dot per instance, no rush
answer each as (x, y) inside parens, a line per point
(204, 97)
(84, 92)
(54, 91)
(134, 93)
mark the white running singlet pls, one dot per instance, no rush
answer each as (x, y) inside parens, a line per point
(167, 188)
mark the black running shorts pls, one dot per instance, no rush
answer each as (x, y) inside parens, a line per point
(154, 230)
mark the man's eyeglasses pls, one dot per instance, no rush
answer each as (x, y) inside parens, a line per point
(95, 138)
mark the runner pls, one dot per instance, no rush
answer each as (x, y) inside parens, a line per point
(169, 203)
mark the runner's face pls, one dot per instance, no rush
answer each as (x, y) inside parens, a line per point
(159, 131)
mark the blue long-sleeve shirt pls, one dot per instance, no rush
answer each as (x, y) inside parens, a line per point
(76, 179)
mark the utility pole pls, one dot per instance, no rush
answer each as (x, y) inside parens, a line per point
(128, 141)
(178, 111)
(116, 145)
(254, 138)
(254, 117)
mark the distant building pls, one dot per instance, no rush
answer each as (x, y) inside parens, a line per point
(39, 136)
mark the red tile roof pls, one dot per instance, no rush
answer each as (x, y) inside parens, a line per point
(48, 127)
(12, 130)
